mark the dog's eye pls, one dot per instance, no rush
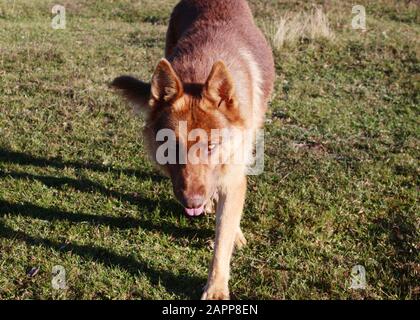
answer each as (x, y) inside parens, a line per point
(212, 146)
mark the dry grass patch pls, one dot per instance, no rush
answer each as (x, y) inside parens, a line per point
(293, 27)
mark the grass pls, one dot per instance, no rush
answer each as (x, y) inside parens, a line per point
(291, 28)
(340, 186)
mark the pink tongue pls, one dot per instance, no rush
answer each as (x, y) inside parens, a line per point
(194, 212)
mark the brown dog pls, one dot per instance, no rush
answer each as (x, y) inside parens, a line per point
(218, 74)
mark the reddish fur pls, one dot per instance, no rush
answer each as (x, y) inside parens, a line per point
(202, 32)
(218, 65)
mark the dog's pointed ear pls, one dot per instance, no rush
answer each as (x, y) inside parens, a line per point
(219, 86)
(136, 91)
(166, 86)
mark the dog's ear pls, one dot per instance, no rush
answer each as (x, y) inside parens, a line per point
(219, 86)
(166, 86)
(136, 91)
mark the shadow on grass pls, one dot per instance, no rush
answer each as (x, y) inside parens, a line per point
(401, 234)
(86, 185)
(183, 285)
(8, 156)
(49, 214)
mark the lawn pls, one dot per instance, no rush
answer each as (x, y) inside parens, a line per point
(342, 148)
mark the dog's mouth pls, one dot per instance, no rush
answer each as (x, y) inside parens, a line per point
(197, 212)
(194, 212)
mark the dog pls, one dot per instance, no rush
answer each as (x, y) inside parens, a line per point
(218, 73)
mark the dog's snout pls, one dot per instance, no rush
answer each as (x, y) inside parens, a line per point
(193, 201)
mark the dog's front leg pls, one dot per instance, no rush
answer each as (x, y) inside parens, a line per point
(228, 216)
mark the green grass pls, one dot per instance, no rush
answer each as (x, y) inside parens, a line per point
(340, 186)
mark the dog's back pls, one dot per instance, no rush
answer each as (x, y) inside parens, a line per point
(202, 32)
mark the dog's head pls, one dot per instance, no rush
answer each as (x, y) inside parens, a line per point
(186, 127)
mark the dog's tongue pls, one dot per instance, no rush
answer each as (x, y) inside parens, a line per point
(194, 212)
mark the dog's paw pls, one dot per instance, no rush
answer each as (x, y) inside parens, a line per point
(240, 240)
(215, 293)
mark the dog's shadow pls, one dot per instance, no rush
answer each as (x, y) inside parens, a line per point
(183, 285)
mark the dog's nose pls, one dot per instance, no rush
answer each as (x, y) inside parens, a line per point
(194, 201)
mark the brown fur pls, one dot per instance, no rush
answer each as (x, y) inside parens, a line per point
(218, 73)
